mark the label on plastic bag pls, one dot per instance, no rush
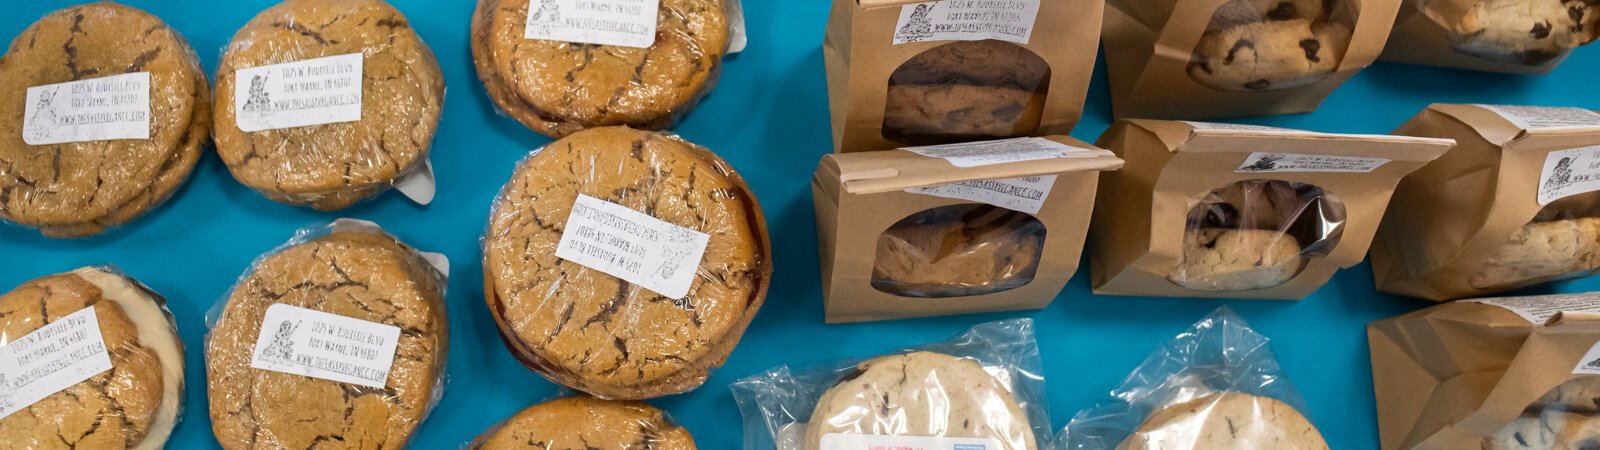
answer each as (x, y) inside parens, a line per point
(626, 23)
(1546, 118)
(50, 359)
(843, 441)
(99, 109)
(316, 344)
(649, 252)
(1290, 162)
(298, 94)
(1024, 194)
(1539, 309)
(967, 20)
(975, 154)
(1569, 172)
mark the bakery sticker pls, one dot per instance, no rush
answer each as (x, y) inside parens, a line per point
(967, 20)
(298, 94)
(975, 154)
(1543, 118)
(50, 359)
(332, 347)
(618, 241)
(625, 23)
(848, 441)
(1024, 194)
(1539, 309)
(1569, 172)
(100, 109)
(1259, 162)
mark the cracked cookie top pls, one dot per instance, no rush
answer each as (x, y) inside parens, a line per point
(922, 394)
(595, 332)
(75, 183)
(361, 274)
(402, 97)
(587, 422)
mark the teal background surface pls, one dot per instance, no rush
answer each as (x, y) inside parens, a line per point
(769, 118)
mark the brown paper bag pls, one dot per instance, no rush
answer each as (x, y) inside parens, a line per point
(1471, 34)
(902, 72)
(1231, 211)
(1201, 59)
(954, 229)
(1463, 375)
(1498, 212)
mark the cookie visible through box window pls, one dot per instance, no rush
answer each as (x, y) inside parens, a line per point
(964, 91)
(957, 251)
(1269, 45)
(1562, 242)
(1256, 234)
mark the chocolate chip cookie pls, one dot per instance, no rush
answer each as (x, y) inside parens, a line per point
(922, 394)
(331, 166)
(1245, 12)
(1543, 251)
(558, 88)
(1226, 421)
(587, 423)
(1269, 56)
(132, 406)
(965, 91)
(1549, 430)
(1531, 32)
(968, 250)
(1578, 395)
(356, 272)
(1225, 259)
(81, 188)
(598, 333)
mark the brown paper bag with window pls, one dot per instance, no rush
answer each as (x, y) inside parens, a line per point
(910, 233)
(1233, 211)
(902, 72)
(1513, 205)
(1509, 36)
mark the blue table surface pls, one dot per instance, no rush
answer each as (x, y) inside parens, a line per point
(769, 118)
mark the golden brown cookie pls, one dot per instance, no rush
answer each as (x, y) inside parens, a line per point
(1530, 32)
(979, 250)
(353, 272)
(587, 423)
(1580, 394)
(975, 63)
(1217, 259)
(1269, 56)
(1547, 430)
(331, 166)
(929, 114)
(1543, 251)
(1226, 421)
(922, 394)
(595, 332)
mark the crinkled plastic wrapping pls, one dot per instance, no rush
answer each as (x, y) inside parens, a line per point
(558, 88)
(1567, 417)
(1525, 32)
(133, 405)
(1562, 242)
(585, 422)
(986, 383)
(1270, 45)
(332, 166)
(1257, 234)
(349, 268)
(68, 190)
(966, 91)
(1217, 383)
(958, 250)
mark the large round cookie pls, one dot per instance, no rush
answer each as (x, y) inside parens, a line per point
(558, 88)
(357, 273)
(922, 394)
(1226, 421)
(1218, 259)
(332, 166)
(1531, 32)
(1541, 252)
(77, 189)
(132, 406)
(586, 423)
(595, 332)
(1269, 56)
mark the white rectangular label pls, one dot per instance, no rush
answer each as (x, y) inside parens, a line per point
(114, 107)
(975, 154)
(1569, 172)
(1546, 118)
(633, 246)
(843, 441)
(1290, 162)
(1590, 364)
(298, 94)
(1538, 309)
(332, 347)
(1240, 127)
(967, 20)
(626, 23)
(1024, 194)
(54, 357)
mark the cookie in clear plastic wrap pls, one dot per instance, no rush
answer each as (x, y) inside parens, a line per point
(589, 423)
(958, 250)
(75, 187)
(965, 91)
(137, 399)
(584, 328)
(1256, 234)
(333, 163)
(1255, 45)
(368, 279)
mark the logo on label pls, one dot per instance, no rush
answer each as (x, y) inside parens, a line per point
(1560, 177)
(1266, 163)
(918, 27)
(259, 101)
(282, 347)
(5, 393)
(547, 16)
(44, 114)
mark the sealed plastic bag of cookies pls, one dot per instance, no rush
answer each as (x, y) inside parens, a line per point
(1514, 205)
(1511, 36)
(1217, 385)
(88, 359)
(340, 334)
(1529, 367)
(982, 389)
(955, 228)
(581, 421)
(1237, 211)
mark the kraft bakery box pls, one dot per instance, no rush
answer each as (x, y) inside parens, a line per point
(904, 72)
(1234, 211)
(953, 229)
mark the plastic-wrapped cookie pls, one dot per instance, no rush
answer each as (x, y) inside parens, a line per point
(921, 394)
(1549, 430)
(558, 88)
(349, 287)
(1226, 421)
(983, 250)
(367, 121)
(1269, 56)
(1531, 32)
(1217, 259)
(588, 423)
(133, 403)
(1543, 251)
(645, 196)
(77, 180)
